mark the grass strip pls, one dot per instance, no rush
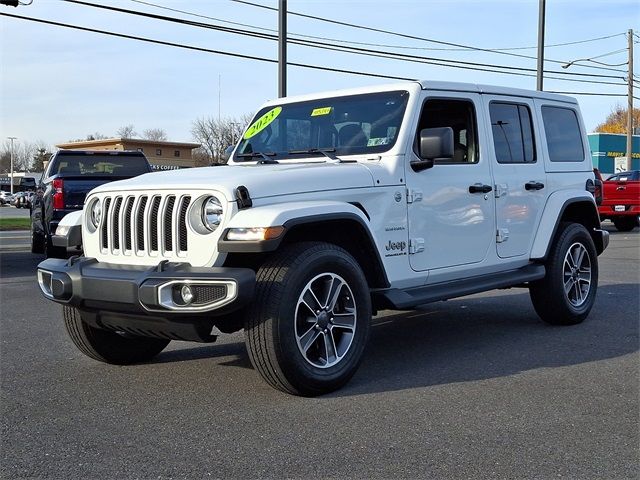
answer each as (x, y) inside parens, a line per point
(15, 224)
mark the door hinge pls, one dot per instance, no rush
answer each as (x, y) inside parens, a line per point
(502, 235)
(416, 245)
(501, 189)
(413, 195)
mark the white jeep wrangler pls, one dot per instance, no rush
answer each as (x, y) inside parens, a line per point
(331, 207)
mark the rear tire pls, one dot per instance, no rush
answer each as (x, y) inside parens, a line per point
(107, 346)
(567, 292)
(309, 322)
(625, 224)
(37, 241)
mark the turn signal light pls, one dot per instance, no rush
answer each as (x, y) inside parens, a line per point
(254, 234)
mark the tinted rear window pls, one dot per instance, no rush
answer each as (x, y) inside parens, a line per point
(562, 130)
(512, 133)
(99, 165)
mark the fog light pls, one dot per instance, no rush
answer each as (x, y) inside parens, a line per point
(187, 294)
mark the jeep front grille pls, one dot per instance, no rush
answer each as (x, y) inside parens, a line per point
(153, 225)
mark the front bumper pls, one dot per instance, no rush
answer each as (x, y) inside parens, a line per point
(133, 292)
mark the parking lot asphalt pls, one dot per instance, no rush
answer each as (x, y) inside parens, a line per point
(476, 387)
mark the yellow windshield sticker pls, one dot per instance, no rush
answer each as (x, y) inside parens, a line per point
(262, 123)
(321, 111)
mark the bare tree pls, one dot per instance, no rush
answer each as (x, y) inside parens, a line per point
(216, 135)
(96, 136)
(5, 161)
(41, 156)
(127, 131)
(156, 134)
(23, 155)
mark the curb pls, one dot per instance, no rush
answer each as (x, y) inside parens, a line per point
(15, 248)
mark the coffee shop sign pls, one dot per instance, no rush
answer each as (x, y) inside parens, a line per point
(165, 167)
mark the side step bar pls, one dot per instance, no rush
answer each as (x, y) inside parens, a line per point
(406, 299)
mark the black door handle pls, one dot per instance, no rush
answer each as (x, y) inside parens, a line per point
(480, 188)
(533, 186)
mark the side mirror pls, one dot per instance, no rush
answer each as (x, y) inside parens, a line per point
(435, 143)
(227, 153)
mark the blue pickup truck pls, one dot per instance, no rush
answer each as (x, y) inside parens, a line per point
(68, 178)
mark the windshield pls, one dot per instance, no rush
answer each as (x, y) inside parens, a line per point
(357, 124)
(99, 165)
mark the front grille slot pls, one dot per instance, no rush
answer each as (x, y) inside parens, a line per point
(146, 225)
(116, 223)
(182, 224)
(105, 224)
(128, 234)
(153, 233)
(140, 223)
(168, 226)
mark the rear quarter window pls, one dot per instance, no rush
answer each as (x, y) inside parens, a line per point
(563, 135)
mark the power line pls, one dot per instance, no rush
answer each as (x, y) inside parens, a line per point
(360, 51)
(403, 35)
(202, 49)
(610, 53)
(352, 42)
(220, 52)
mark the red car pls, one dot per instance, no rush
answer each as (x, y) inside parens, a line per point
(621, 199)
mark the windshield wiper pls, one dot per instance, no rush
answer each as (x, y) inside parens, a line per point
(327, 152)
(265, 156)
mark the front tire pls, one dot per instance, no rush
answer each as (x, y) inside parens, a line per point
(107, 346)
(566, 294)
(309, 322)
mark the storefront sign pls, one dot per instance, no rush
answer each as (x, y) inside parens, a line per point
(165, 167)
(622, 154)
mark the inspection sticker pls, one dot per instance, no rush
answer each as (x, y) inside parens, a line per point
(374, 142)
(321, 111)
(262, 123)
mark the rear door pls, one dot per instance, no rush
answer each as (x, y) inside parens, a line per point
(519, 173)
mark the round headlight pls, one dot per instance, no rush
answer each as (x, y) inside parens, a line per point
(96, 214)
(212, 213)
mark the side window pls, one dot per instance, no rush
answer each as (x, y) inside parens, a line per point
(460, 115)
(564, 140)
(512, 133)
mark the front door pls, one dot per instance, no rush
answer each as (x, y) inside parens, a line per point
(518, 170)
(451, 212)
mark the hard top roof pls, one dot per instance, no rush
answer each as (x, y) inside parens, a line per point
(428, 85)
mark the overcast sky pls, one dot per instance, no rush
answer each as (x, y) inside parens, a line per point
(59, 84)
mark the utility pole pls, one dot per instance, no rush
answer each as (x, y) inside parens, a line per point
(12, 139)
(539, 75)
(282, 49)
(630, 103)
